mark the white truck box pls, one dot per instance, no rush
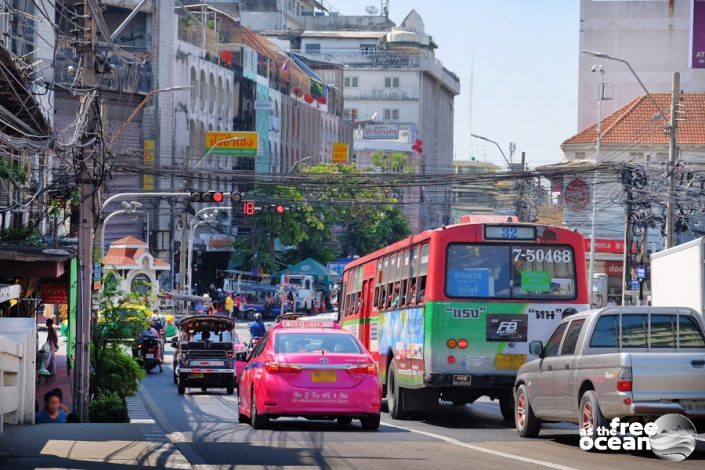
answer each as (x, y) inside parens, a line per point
(678, 276)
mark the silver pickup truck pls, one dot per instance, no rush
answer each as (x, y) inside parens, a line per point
(632, 363)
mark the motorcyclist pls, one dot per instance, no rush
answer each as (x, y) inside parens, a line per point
(257, 328)
(151, 333)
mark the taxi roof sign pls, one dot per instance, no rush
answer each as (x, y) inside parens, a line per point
(307, 324)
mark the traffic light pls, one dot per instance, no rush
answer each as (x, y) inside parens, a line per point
(278, 209)
(207, 196)
(235, 197)
(418, 146)
(245, 208)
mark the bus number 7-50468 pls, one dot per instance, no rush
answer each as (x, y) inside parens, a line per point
(548, 255)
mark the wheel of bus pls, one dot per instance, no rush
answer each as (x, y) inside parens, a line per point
(230, 385)
(257, 420)
(527, 424)
(506, 406)
(394, 397)
(182, 386)
(344, 420)
(370, 423)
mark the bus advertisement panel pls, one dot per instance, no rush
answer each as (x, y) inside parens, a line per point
(449, 313)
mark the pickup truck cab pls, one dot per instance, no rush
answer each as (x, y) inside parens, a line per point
(632, 363)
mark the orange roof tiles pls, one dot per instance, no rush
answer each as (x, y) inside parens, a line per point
(129, 241)
(633, 123)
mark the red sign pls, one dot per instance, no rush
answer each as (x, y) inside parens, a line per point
(614, 268)
(577, 195)
(608, 246)
(55, 294)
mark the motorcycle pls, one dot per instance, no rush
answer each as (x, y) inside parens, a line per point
(252, 344)
(148, 350)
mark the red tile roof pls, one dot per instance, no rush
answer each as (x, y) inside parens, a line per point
(129, 241)
(633, 123)
(127, 257)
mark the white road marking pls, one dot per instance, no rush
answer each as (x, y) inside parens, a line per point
(456, 442)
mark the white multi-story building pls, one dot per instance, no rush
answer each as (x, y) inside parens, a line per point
(653, 36)
(393, 78)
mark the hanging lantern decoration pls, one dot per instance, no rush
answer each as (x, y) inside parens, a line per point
(226, 57)
(321, 100)
(308, 97)
(298, 92)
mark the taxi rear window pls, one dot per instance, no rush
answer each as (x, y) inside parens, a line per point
(315, 343)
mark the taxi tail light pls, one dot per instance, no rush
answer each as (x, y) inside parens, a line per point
(363, 369)
(624, 380)
(281, 368)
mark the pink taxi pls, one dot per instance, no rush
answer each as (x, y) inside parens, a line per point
(314, 370)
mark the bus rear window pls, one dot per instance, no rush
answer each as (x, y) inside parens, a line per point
(542, 272)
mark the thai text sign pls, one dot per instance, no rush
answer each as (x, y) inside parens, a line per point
(381, 131)
(340, 153)
(244, 144)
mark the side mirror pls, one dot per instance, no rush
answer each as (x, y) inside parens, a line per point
(536, 348)
(241, 356)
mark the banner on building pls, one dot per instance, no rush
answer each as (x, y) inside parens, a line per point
(614, 268)
(148, 177)
(243, 144)
(264, 105)
(340, 153)
(380, 131)
(55, 294)
(697, 35)
(608, 246)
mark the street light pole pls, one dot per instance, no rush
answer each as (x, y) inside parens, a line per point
(493, 142)
(593, 229)
(192, 232)
(215, 145)
(297, 162)
(133, 210)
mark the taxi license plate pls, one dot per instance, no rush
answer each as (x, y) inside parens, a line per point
(693, 407)
(195, 376)
(462, 380)
(210, 363)
(150, 356)
(323, 376)
(510, 361)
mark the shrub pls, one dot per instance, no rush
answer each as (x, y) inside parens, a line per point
(118, 372)
(108, 408)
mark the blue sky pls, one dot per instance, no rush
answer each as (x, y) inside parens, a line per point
(525, 69)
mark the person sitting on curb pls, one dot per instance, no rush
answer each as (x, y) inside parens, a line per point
(51, 413)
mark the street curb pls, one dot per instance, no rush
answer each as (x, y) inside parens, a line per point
(136, 411)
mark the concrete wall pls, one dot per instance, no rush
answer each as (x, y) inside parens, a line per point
(18, 347)
(653, 36)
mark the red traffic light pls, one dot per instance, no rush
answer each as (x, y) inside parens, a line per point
(207, 196)
(217, 197)
(280, 209)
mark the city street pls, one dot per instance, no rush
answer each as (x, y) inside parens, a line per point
(204, 428)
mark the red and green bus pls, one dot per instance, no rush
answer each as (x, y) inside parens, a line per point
(449, 313)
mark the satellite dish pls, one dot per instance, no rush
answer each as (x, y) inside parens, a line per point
(371, 9)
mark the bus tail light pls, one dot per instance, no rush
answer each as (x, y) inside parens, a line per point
(363, 369)
(281, 368)
(452, 343)
(462, 344)
(624, 380)
(451, 359)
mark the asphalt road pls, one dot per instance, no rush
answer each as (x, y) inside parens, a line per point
(204, 427)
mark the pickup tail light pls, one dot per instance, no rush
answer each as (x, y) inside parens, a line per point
(362, 369)
(624, 380)
(282, 368)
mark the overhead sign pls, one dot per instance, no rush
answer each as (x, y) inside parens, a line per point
(641, 272)
(244, 144)
(697, 35)
(340, 153)
(380, 131)
(264, 105)
(577, 195)
(220, 243)
(608, 246)
(55, 294)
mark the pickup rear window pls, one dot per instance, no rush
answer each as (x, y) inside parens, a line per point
(635, 328)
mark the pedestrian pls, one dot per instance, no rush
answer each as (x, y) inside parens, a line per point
(60, 393)
(237, 305)
(268, 304)
(161, 330)
(229, 304)
(52, 412)
(221, 300)
(53, 341)
(200, 309)
(212, 293)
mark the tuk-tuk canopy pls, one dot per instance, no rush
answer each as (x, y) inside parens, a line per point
(199, 323)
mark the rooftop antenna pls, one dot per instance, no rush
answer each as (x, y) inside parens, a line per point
(385, 8)
(371, 10)
(472, 82)
(512, 149)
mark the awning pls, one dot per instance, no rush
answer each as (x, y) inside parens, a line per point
(9, 291)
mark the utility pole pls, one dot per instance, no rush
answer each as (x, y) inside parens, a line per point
(626, 256)
(671, 169)
(81, 385)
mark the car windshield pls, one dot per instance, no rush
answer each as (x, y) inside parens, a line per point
(510, 271)
(316, 342)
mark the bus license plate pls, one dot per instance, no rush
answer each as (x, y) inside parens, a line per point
(510, 361)
(693, 407)
(323, 376)
(462, 380)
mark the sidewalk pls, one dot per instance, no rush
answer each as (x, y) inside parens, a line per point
(61, 379)
(140, 444)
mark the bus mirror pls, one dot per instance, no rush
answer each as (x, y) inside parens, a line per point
(536, 348)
